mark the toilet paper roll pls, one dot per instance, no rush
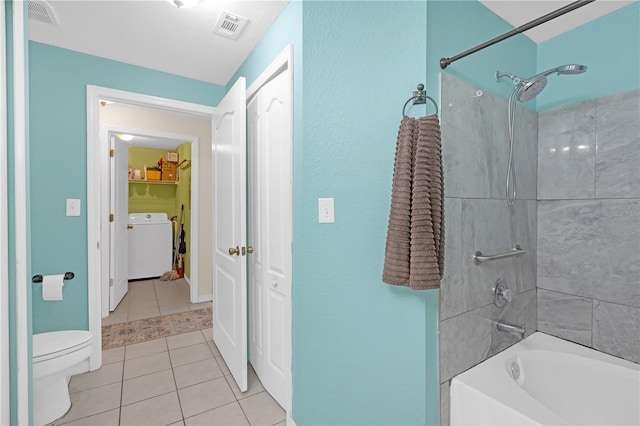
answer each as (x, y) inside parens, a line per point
(52, 287)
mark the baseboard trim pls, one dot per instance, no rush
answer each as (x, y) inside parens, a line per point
(205, 298)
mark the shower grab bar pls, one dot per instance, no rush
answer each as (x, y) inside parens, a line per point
(445, 62)
(478, 257)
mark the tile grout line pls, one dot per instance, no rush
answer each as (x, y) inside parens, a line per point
(124, 363)
(173, 373)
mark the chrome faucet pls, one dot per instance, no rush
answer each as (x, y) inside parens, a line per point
(516, 330)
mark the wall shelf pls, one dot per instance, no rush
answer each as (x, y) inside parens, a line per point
(154, 182)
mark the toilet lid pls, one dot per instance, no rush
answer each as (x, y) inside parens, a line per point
(57, 343)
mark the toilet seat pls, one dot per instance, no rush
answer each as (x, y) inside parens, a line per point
(59, 343)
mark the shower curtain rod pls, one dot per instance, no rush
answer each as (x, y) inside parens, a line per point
(444, 62)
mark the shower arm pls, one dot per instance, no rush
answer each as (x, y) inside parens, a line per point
(514, 78)
(445, 62)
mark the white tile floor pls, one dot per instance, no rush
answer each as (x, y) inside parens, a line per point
(151, 298)
(174, 380)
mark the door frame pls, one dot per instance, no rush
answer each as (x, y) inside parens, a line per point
(4, 235)
(282, 62)
(106, 131)
(96, 193)
(20, 172)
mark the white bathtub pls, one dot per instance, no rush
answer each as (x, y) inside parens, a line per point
(559, 383)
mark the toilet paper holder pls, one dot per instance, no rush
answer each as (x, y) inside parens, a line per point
(67, 276)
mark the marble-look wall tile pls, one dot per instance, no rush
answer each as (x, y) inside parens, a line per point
(486, 227)
(590, 248)
(520, 311)
(451, 286)
(524, 233)
(465, 340)
(566, 152)
(526, 154)
(525, 150)
(566, 316)
(445, 404)
(615, 330)
(500, 148)
(467, 136)
(618, 146)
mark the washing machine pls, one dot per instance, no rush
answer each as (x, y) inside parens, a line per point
(150, 245)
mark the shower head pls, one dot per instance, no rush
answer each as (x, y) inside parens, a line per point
(569, 69)
(531, 88)
(525, 90)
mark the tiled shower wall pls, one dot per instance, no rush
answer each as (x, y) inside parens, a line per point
(475, 146)
(589, 224)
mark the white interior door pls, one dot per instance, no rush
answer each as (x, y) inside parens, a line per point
(270, 134)
(229, 231)
(118, 277)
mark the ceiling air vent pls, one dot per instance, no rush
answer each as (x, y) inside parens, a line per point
(229, 25)
(40, 10)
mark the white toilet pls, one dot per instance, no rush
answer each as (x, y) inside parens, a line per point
(55, 355)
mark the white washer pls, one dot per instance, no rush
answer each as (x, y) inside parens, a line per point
(150, 245)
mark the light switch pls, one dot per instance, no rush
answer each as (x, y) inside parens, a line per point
(325, 210)
(73, 207)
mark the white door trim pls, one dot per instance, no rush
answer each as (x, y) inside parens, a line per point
(23, 360)
(4, 235)
(96, 206)
(193, 240)
(282, 62)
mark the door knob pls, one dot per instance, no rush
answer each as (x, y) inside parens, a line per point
(234, 250)
(129, 226)
(250, 249)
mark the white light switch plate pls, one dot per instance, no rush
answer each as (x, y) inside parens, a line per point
(73, 207)
(325, 210)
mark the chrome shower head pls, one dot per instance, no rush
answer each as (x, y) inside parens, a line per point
(571, 69)
(528, 89)
(531, 88)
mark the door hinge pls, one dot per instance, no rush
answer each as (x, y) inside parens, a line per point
(112, 153)
(110, 282)
(111, 217)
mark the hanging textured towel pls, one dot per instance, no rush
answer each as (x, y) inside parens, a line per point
(414, 252)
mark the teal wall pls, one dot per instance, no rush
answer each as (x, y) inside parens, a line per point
(361, 348)
(456, 26)
(609, 46)
(58, 80)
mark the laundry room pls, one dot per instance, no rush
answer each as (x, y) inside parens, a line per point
(158, 188)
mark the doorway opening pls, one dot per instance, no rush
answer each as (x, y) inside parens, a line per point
(99, 190)
(160, 205)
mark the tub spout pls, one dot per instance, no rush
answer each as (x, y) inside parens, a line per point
(516, 330)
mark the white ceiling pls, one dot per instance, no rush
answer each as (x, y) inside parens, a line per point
(157, 35)
(520, 12)
(154, 34)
